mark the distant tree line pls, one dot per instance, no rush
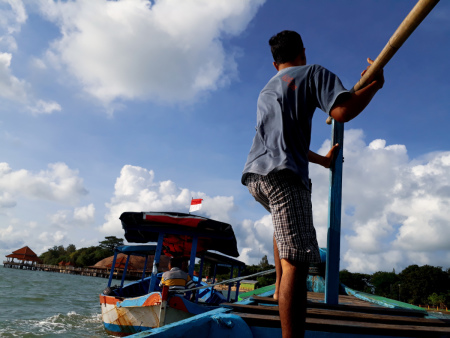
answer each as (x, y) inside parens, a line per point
(82, 257)
(415, 284)
(91, 255)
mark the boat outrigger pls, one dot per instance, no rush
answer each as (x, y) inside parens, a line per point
(142, 304)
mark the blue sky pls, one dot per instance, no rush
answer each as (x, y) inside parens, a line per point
(112, 106)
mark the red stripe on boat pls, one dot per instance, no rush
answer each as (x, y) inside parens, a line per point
(109, 300)
(153, 299)
(177, 303)
(190, 222)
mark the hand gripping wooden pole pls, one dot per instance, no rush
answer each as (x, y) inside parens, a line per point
(411, 22)
(414, 18)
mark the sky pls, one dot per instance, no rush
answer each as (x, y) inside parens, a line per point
(137, 105)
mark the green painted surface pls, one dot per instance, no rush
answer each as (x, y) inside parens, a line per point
(248, 286)
(256, 292)
(386, 302)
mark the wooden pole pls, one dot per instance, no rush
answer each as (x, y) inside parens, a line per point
(411, 22)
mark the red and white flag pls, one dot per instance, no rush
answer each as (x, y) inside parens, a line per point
(196, 204)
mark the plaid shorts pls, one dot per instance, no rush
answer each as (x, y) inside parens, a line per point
(286, 198)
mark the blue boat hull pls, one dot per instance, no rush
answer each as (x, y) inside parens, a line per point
(221, 324)
(323, 321)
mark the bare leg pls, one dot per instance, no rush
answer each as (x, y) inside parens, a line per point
(292, 298)
(278, 269)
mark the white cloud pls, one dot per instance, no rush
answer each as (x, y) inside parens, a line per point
(53, 237)
(255, 240)
(398, 205)
(137, 190)
(10, 234)
(12, 16)
(63, 229)
(84, 214)
(78, 218)
(15, 235)
(7, 201)
(31, 195)
(164, 50)
(395, 210)
(358, 261)
(218, 207)
(44, 107)
(16, 90)
(10, 86)
(38, 63)
(58, 183)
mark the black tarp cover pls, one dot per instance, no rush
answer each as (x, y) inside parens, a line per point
(144, 227)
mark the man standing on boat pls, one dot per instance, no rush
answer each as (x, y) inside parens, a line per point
(276, 172)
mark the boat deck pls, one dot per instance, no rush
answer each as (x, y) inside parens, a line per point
(351, 316)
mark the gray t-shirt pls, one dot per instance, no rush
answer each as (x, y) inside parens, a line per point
(285, 109)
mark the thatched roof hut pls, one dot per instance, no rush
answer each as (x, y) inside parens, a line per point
(136, 263)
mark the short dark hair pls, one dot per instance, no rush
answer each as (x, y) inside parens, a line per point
(286, 46)
(176, 262)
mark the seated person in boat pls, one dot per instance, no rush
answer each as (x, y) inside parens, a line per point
(176, 278)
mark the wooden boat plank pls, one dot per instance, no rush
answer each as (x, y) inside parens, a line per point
(266, 300)
(342, 315)
(353, 306)
(368, 309)
(317, 297)
(332, 325)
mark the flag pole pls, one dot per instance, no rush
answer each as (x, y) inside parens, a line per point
(409, 24)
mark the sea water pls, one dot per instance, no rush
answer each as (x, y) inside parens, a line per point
(50, 304)
(47, 304)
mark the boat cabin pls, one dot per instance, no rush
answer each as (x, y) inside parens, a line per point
(176, 235)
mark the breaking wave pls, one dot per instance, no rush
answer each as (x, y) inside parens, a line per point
(43, 304)
(71, 324)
